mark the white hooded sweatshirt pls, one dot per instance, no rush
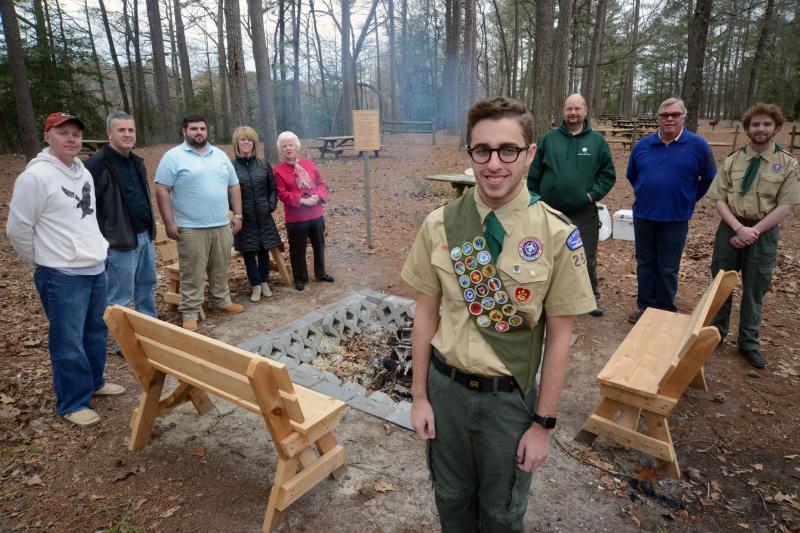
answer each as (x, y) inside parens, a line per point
(52, 218)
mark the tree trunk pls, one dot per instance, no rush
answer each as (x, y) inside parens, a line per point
(65, 53)
(143, 118)
(403, 86)
(296, 112)
(344, 118)
(264, 80)
(117, 68)
(223, 72)
(392, 61)
(759, 53)
(468, 65)
(693, 81)
(134, 87)
(630, 69)
(166, 133)
(43, 44)
(95, 59)
(183, 56)
(594, 56)
(450, 78)
(173, 56)
(542, 64)
(561, 41)
(329, 117)
(236, 66)
(211, 86)
(26, 121)
(504, 71)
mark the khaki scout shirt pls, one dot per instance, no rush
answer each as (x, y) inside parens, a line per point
(558, 280)
(776, 183)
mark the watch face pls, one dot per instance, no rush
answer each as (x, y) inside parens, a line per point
(547, 422)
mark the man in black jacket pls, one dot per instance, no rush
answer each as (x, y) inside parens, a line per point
(125, 216)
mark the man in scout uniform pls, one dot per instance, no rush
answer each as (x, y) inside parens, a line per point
(757, 188)
(492, 270)
(571, 171)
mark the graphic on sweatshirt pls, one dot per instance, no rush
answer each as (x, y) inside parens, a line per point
(84, 203)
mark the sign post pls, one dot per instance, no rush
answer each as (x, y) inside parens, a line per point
(366, 137)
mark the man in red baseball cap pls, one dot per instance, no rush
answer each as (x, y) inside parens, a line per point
(52, 223)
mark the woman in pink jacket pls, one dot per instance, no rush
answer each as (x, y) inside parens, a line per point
(303, 193)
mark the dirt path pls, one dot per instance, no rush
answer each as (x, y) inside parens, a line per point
(212, 473)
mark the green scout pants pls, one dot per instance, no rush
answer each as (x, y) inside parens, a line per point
(755, 262)
(588, 222)
(472, 460)
(204, 251)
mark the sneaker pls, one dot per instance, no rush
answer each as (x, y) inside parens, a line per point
(299, 285)
(256, 295)
(265, 290)
(328, 278)
(84, 417)
(110, 389)
(755, 358)
(598, 311)
(634, 317)
(191, 325)
(232, 309)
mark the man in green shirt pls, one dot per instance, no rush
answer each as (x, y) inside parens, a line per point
(571, 171)
(757, 188)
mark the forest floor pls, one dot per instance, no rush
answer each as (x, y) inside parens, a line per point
(738, 444)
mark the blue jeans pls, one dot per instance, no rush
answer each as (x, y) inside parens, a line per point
(77, 336)
(659, 246)
(132, 275)
(257, 266)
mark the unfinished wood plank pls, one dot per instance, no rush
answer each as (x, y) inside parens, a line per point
(675, 383)
(295, 442)
(629, 418)
(325, 444)
(145, 415)
(658, 428)
(301, 483)
(658, 404)
(286, 469)
(630, 438)
(277, 257)
(259, 373)
(699, 381)
(120, 328)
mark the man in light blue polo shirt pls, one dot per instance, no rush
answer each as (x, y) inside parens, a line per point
(196, 185)
(669, 171)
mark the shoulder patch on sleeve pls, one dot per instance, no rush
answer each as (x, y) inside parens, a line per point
(574, 240)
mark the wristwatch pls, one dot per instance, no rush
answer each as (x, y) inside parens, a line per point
(547, 422)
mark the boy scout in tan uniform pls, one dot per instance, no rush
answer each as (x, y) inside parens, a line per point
(491, 271)
(756, 189)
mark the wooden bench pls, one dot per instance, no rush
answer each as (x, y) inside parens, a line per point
(661, 356)
(299, 420)
(167, 253)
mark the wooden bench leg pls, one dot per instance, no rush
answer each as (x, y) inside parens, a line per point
(286, 277)
(699, 381)
(607, 409)
(325, 444)
(145, 415)
(287, 468)
(658, 428)
(200, 400)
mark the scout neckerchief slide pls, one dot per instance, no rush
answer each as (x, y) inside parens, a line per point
(497, 319)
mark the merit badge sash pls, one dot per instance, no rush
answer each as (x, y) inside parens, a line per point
(497, 319)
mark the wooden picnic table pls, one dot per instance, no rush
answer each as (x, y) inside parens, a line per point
(458, 182)
(90, 146)
(335, 144)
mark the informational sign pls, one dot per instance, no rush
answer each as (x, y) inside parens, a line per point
(366, 130)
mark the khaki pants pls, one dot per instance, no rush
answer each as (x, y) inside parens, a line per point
(472, 460)
(204, 251)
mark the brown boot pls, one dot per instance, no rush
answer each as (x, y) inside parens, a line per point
(232, 309)
(191, 325)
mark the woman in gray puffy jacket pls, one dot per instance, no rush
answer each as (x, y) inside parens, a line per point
(259, 200)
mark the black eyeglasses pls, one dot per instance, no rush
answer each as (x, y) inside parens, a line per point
(508, 153)
(676, 114)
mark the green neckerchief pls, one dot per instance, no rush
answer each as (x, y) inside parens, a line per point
(517, 345)
(752, 169)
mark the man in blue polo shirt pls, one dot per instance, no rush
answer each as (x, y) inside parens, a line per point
(670, 171)
(196, 184)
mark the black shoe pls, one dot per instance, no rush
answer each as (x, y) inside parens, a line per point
(634, 317)
(755, 358)
(299, 285)
(328, 278)
(598, 311)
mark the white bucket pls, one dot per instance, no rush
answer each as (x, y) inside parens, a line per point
(605, 222)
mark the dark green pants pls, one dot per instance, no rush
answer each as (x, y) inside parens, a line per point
(588, 222)
(755, 262)
(472, 460)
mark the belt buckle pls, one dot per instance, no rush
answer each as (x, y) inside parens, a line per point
(474, 384)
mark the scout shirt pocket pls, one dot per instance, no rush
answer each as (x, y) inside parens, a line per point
(526, 284)
(769, 182)
(451, 290)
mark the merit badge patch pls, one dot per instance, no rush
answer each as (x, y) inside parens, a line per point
(488, 303)
(469, 295)
(515, 320)
(777, 167)
(521, 294)
(463, 281)
(484, 257)
(475, 308)
(489, 271)
(509, 310)
(475, 276)
(459, 268)
(467, 248)
(483, 321)
(496, 315)
(501, 297)
(479, 243)
(530, 248)
(501, 327)
(481, 290)
(494, 284)
(455, 253)
(471, 262)
(574, 240)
